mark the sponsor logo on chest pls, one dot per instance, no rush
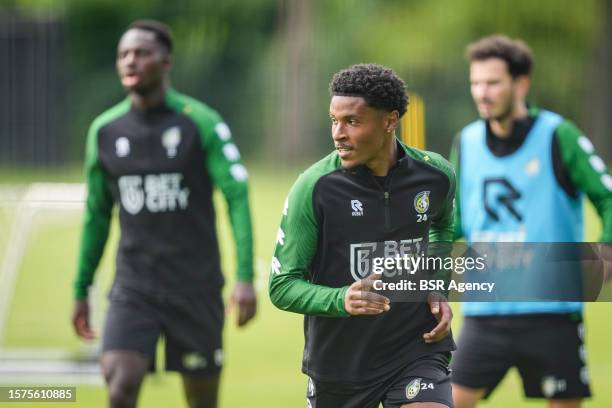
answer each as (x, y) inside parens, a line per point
(363, 254)
(156, 192)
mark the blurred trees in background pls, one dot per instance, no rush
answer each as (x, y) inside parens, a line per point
(265, 65)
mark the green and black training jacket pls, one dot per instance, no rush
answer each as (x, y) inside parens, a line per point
(335, 221)
(160, 167)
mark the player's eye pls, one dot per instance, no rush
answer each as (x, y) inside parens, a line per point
(143, 53)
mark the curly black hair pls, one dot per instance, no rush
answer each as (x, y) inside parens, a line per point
(378, 85)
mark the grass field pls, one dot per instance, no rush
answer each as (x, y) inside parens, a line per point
(262, 360)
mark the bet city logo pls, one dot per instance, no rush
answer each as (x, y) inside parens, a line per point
(365, 255)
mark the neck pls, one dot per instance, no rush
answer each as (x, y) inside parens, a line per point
(502, 127)
(150, 99)
(380, 166)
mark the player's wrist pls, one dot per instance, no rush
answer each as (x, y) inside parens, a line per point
(341, 304)
(245, 273)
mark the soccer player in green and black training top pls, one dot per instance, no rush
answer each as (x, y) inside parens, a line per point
(522, 173)
(158, 155)
(372, 195)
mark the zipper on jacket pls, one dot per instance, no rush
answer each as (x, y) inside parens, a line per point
(387, 212)
(385, 190)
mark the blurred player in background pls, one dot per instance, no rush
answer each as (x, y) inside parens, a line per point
(522, 172)
(371, 192)
(158, 155)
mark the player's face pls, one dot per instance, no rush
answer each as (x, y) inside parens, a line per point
(360, 132)
(493, 88)
(141, 62)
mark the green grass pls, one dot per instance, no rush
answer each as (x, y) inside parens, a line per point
(263, 360)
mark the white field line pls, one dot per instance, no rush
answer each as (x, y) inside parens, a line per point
(50, 372)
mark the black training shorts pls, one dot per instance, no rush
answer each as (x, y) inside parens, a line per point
(191, 325)
(547, 349)
(423, 380)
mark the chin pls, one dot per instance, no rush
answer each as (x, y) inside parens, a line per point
(350, 163)
(346, 162)
(141, 89)
(484, 115)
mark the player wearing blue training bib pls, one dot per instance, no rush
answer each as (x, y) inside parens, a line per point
(522, 173)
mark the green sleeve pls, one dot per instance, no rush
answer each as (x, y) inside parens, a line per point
(98, 210)
(230, 176)
(588, 172)
(228, 173)
(296, 245)
(454, 160)
(442, 226)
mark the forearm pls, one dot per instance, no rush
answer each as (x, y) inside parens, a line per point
(240, 219)
(294, 294)
(93, 239)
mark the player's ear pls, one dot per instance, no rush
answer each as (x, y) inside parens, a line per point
(522, 84)
(390, 121)
(167, 60)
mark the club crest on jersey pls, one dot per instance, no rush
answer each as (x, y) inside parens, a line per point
(122, 146)
(421, 202)
(413, 388)
(171, 138)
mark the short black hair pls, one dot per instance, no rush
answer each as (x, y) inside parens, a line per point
(378, 85)
(162, 32)
(516, 53)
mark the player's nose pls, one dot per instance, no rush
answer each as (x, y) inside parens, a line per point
(339, 132)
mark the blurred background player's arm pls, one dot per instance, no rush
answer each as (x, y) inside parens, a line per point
(296, 245)
(96, 224)
(579, 168)
(227, 172)
(454, 159)
(583, 170)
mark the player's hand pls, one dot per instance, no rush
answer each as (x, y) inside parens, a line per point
(360, 300)
(444, 315)
(243, 297)
(80, 320)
